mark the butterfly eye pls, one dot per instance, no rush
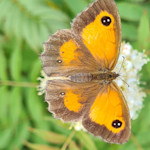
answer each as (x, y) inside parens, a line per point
(110, 76)
(106, 21)
(117, 124)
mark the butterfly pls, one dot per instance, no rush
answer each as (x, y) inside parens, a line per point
(79, 63)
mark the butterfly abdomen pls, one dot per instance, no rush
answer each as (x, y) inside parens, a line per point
(81, 77)
(87, 77)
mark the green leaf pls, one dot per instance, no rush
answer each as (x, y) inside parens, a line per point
(36, 111)
(28, 57)
(34, 105)
(145, 140)
(22, 134)
(17, 24)
(90, 1)
(55, 25)
(9, 20)
(15, 105)
(3, 67)
(144, 31)
(76, 6)
(5, 137)
(35, 108)
(15, 61)
(13, 18)
(86, 140)
(35, 70)
(40, 9)
(136, 1)
(58, 125)
(129, 31)
(37, 16)
(46, 13)
(129, 11)
(50, 136)
(4, 101)
(4, 12)
(73, 146)
(146, 7)
(44, 33)
(30, 33)
(40, 147)
(143, 122)
(128, 146)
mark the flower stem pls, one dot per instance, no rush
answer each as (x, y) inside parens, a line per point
(147, 91)
(136, 142)
(19, 84)
(68, 140)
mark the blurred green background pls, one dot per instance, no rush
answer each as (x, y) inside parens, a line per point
(24, 120)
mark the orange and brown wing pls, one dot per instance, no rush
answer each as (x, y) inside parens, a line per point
(99, 28)
(69, 101)
(109, 116)
(63, 54)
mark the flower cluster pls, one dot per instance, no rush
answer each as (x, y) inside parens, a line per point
(42, 86)
(134, 61)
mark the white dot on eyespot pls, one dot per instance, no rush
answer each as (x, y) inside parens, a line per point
(62, 93)
(59, 61)
(119, 124)
(108, 20)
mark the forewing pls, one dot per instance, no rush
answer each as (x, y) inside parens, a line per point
(109, 116)
(64, 54)
(69, 101)
(103, 41)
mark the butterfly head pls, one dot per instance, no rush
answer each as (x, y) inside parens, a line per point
(111, 76)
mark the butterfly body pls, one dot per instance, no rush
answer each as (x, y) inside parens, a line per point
(79, 63)
(107, 77)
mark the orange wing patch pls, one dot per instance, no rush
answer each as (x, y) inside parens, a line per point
(68, 100)
(72, 101)
(109, 116)
(100, 39)
(99, 28)
(63, 55)
(67, 52)
(107, 108)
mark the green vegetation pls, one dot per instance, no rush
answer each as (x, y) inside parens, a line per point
(24, 120)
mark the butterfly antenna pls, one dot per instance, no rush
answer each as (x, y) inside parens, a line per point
(124, 82)
(121, 65)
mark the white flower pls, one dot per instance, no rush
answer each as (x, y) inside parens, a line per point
(77, 126)
(43, 79)
(133, 64)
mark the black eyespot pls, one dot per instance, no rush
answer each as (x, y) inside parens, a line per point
(117, 124)
(106, 21)
(59, 61)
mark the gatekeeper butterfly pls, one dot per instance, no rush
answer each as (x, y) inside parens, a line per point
(79, 63)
